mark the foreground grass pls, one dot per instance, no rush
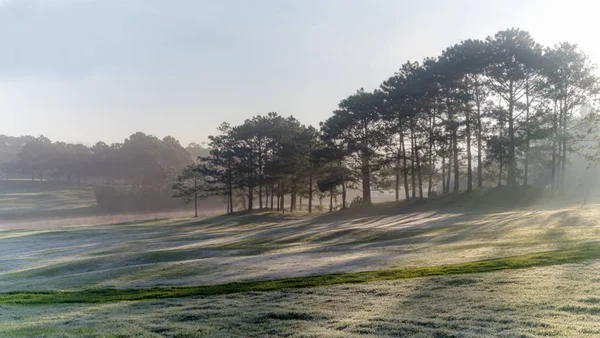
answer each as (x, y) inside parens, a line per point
(552, 301)
(579, 254)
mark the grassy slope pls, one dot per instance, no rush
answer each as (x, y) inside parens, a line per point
(557, 296)
(259, 247)
(575, 255)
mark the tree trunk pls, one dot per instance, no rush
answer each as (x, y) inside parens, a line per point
(443, 174)
(412, 164)
(502, 155)
(344, 194)
(195, 197)
(331, 200)
(527, 134)
(500, 174)
(455, 154)
(397, 188)
(420, 177)
(554, 139)
(195, 204)
(454, 143)
(431, 170)
(512, 164)
(230, 185)
(295, 203)
(267, 194)
(366, 167)
(404, 168)
(366, 179)
(469, 168)
(282, 196)
(479, 136)
(310, 190)
(250, 194)
(563, 171)
(449, 172)
(559, 160)
(260, 165)
(559, 157)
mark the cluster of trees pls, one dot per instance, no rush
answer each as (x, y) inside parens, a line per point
(134, 175)
(140, 161)
(10, 146)
(261, 161)
(503, 110)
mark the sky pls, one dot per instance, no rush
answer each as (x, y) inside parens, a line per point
(90, 70)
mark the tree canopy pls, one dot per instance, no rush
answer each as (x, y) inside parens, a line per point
(503, 110)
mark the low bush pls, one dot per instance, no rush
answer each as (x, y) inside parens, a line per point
(356, 201)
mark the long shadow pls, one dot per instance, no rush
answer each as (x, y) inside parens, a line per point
(239, 218)
(446, 315)
(351, 238)
(448, 306)
(278, 229)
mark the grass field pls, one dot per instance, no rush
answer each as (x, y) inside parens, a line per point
(559, 301)
(386, 270)
(24, 198)
(49, 204)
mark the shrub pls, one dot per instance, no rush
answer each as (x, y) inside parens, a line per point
(357, 201)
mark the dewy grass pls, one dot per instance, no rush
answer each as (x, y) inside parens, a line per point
(575, 255)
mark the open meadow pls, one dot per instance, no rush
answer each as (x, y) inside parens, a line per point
(390, 269)
(25, 198)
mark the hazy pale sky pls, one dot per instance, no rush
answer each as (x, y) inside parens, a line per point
(88, 70)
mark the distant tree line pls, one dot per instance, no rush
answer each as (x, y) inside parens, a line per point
(128, 174)
(267, 158)
(141, 160)
(499, 111)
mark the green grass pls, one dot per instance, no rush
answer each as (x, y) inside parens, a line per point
(40, 331)
(579, 254)
(581, 310)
